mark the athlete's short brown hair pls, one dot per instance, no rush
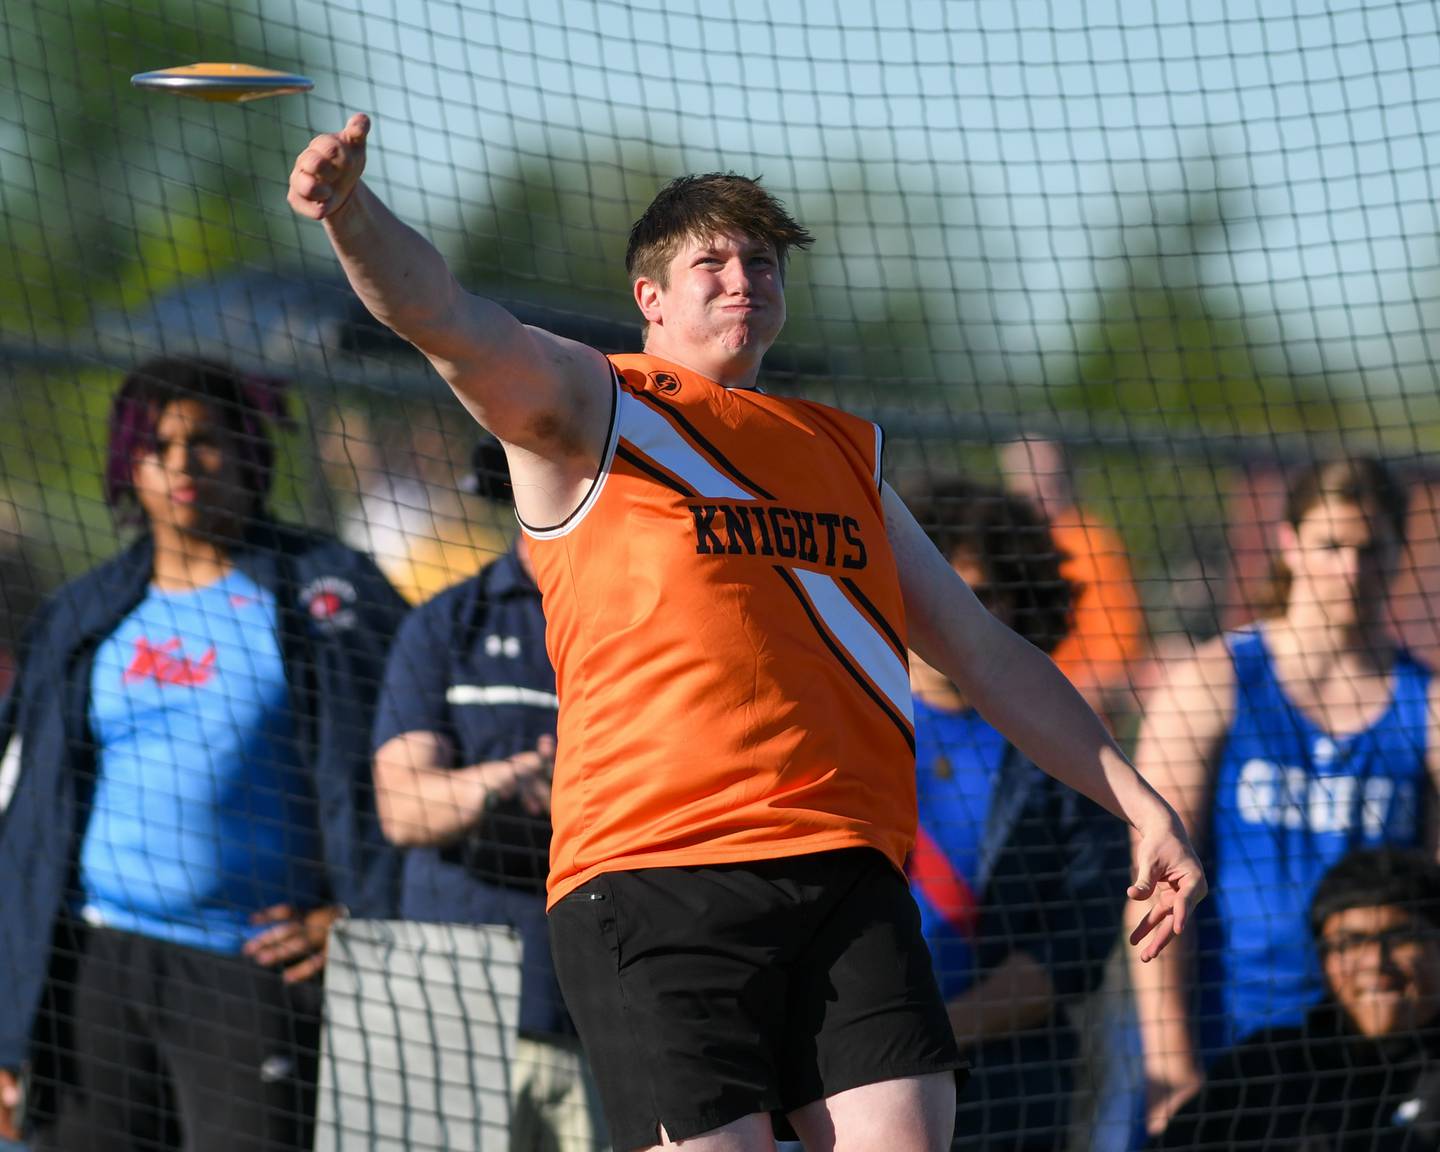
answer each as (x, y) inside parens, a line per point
(703, 206)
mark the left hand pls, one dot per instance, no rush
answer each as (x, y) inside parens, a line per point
(1168, 877)
(296, 942)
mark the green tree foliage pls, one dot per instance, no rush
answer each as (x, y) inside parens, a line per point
(884, 310)
(1160, 348)
(1171, 359)
(112, 194)
(552, 229)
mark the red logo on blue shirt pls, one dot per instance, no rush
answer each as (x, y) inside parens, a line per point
(165, 664)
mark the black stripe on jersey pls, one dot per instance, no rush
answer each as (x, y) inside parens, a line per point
(874, 613)
(839, 653)
(710, 450)
(655, 472)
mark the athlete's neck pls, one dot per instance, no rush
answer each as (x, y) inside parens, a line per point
(1324, 650)
(185, 561)
(729, 370)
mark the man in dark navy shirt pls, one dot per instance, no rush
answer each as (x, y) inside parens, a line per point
(464, 742)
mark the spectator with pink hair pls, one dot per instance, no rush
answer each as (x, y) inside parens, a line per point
(192, 806)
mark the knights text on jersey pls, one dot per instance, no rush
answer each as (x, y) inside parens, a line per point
(726, 624)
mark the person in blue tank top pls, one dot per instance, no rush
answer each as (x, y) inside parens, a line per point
(1284, 746)
(1014, 873)
(193, 808)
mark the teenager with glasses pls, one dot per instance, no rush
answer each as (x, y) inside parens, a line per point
(1284, 746)
(1362, 1070)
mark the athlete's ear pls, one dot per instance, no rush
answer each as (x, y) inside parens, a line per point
(1288, 540)
(647, 299)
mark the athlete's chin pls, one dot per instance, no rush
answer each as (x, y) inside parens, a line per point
(747, 340)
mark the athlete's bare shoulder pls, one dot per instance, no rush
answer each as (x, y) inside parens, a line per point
(556, 452)
(1196, 685)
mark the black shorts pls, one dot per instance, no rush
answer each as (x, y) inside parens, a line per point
(706, 994)
(175, 1047)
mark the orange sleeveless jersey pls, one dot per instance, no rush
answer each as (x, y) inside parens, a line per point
(726, 624)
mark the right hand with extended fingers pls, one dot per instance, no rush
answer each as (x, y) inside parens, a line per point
(326, 173)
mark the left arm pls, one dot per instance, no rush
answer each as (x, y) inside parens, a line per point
(363, 867)
(1019, 690)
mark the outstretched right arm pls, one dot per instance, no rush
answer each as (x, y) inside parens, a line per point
(547, 398)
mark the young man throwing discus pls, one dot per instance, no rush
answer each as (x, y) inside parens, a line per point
(730, 590)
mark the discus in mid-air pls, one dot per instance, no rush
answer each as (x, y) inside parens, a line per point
(222, 83)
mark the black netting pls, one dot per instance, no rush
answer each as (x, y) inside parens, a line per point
(1143, 296)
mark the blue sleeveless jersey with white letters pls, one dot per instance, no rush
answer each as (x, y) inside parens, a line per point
(1290, 801)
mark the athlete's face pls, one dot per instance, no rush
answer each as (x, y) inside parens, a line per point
(1341, 559)
(1383, 967)
(724, 301)
(189, 479)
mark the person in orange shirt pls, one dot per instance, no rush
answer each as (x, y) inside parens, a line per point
(1108, 637)
(730, 588)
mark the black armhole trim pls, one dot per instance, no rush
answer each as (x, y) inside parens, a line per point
(611, 440)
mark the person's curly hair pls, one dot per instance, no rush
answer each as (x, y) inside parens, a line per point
(1010, 540)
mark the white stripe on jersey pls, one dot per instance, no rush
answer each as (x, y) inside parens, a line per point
(860, 638)
(656, 437)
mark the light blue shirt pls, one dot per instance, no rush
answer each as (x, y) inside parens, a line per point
(201, 814)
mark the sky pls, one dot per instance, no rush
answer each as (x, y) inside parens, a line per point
(1001, 143)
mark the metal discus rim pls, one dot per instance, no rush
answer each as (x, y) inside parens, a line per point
(223, 82)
